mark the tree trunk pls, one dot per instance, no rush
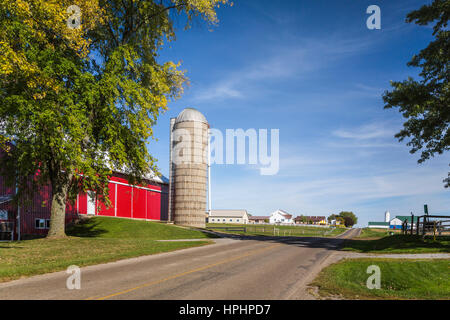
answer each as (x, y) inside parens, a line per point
(60, 188)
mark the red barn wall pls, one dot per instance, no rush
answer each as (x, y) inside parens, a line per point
(137, 202)
(147, 201)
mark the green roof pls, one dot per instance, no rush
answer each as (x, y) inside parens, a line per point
(403, 218)
(378, 223)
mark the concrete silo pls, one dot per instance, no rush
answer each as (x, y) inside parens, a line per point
(387, 216)
(188, 168)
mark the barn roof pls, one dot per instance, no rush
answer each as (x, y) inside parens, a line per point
(312, 218)
(151, 175)
(227, 213)
(283, 213)
(378, 223)
(403, 218)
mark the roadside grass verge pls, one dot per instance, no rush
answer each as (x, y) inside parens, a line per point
(105, 227)
(282, 231)
(96, 240)
(400, 279)
(399, 244)
(367, 233)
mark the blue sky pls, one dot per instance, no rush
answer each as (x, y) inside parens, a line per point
(313, 70)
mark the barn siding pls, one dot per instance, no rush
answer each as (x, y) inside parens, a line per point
(8, 206)
(138, 202)
(103, 210)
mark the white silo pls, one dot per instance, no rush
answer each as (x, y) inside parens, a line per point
(387, 216)
(189, 147)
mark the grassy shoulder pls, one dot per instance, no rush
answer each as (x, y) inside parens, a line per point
(370, 233)
(282, 231)
(107, 228)
(399, 244)
(400, 279)
(97, 240)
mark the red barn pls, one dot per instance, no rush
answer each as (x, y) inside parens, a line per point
(147, 202)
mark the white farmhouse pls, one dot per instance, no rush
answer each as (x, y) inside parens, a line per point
(280, 217)
(228, 216)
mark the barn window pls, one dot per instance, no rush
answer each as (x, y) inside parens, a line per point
(47, 223)
(39, 223)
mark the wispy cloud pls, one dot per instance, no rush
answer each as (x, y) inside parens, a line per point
(286, 62)
(219, 91)
(366, 132)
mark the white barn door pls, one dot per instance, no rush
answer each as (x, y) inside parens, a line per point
(91, 203)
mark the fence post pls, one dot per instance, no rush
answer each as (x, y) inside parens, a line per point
(417, 225)
(434, 231)
(423, 228)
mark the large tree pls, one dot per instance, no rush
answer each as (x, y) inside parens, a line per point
(79, 95)
(425, 103)
(350, 219)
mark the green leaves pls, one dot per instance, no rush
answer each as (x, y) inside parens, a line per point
(79, 103)
(426, 103)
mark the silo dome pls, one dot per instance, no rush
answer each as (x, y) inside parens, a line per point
(191, 114)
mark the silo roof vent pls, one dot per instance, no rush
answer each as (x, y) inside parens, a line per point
(191, 114)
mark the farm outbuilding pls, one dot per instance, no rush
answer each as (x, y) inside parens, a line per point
(259, 219)
(228, 216)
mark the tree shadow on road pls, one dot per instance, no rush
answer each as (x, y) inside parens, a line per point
(306, 242)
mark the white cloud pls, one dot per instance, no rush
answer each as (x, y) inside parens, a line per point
(298, 61)
(366, 132)
(219, 91)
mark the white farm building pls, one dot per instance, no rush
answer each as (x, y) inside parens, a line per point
(228, 216)
(281, 217)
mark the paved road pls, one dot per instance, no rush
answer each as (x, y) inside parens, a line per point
(232, 268)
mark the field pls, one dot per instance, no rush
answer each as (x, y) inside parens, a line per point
(270, 230)
(368, 233)
(399, 244)
(97, 240)
(400, 279)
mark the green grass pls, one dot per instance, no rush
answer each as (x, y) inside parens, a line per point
(268, 230)
(375, 233)
(399, 244)
(104, 227)
(97, 240)
(400, 279)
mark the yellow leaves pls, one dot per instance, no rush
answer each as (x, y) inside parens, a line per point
(206, 8)
(45, 22)
(39, 96)
(11, 61)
